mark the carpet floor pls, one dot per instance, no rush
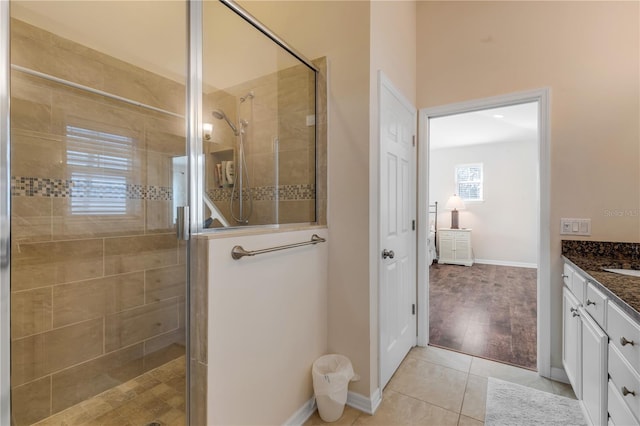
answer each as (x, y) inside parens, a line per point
(485, 310)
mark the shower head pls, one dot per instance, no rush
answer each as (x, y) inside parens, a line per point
(220, 115)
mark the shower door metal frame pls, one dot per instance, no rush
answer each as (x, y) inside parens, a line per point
(195, 173)
(5, 218)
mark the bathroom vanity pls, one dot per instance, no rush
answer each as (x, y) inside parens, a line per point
(601, 329)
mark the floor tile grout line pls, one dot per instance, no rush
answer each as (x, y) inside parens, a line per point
(426, 402)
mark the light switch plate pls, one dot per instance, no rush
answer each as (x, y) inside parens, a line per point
(569, 226)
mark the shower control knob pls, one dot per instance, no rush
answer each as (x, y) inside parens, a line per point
(388, 253)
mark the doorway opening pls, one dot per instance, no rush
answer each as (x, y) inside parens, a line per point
(483, 200)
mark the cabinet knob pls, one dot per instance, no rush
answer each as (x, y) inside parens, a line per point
(564, 276)
(626, 391)
(589, 302)
(625, 342)
(573, 309)
(576, 314)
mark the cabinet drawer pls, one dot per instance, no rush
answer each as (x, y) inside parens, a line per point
(619, 413)
(622, 329)
(624, 376)
(596, 304)
(567, 275)
(578, 287)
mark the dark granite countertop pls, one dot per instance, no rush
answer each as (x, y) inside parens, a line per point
(592, 256)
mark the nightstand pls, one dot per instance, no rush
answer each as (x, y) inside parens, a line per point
(454, 246)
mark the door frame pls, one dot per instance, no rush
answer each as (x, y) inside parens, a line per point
(385, 82)
(542, 96)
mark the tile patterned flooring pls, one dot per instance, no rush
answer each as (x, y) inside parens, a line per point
(156, 396)
(485, 310)
(434, 386)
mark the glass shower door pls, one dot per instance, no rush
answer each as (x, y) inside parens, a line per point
(98, 276)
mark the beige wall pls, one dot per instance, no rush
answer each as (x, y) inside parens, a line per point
(587, 53)
(267, 325)
(358, 38)
(340, 31)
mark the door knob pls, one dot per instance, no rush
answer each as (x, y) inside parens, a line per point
(387, 253)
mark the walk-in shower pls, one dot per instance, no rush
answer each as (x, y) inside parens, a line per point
(105, 326)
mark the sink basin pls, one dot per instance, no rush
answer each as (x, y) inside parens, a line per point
(630, 272)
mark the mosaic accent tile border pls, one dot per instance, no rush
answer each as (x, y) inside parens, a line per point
(63, 188)
(268, 193)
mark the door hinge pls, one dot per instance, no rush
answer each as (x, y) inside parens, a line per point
(414, 140)
(413, 225)
(413, 309)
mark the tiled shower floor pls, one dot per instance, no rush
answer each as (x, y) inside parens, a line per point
(156, 396)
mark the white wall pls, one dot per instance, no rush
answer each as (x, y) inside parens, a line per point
(504, 225)
(267, 324)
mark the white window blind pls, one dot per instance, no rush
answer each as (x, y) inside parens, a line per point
(469, 182)
(100, 164)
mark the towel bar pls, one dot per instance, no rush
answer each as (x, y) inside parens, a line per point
(238, 252)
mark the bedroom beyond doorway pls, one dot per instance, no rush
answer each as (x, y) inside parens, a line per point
(487, 311)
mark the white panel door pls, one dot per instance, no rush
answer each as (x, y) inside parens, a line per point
(397, 234)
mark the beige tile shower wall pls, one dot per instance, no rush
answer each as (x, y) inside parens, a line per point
(96, 299)
(280, 147)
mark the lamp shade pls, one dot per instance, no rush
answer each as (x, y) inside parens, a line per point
(454, 203)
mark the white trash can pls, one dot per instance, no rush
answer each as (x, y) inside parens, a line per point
(331, 377)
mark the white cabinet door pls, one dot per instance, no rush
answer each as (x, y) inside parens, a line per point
(571, 341)
(446, 247)
(594, 369)
(462, 246)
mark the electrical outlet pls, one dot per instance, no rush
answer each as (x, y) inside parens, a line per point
(570, 226)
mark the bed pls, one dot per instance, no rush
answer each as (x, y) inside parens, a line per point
(432, 247)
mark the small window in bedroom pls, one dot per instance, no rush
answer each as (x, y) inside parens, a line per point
(469, 181)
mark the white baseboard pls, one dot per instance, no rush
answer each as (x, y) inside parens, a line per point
(302, 415)
(507, 263)
(559, 375)
(364, 404)
(355, 400)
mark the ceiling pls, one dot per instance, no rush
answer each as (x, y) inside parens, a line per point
(152, 34)
(506, 124)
